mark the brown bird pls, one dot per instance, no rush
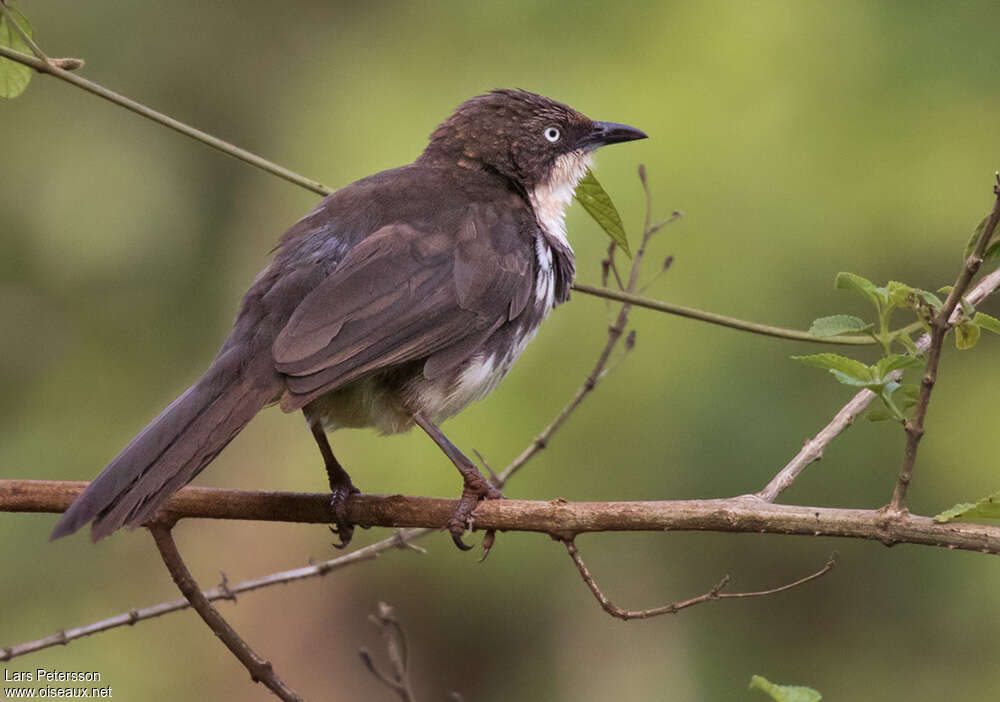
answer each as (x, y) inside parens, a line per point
(398, 300)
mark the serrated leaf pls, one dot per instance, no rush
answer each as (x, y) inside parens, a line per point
(598, 204)
(852, 281)
(986, 508)
(971, 245)
(985, 321)
(966, 336)
(838, 324)
(878, 415)
(895, 361)
(14, 76)
(784, 693)
(855, 371)
(928, 297)
(897, 293)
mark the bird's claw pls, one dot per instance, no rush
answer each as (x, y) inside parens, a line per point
(461, 520)
(343, 527)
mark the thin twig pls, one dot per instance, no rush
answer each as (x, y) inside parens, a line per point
(178, 126)
(940, 326)
(615, 332)
(35, 49)
(260, 670)
(317, 187)
(402, 539)
(24, 496)
(396, 649)
(720, 319)
(613, 267)
(812, 450)
(674, 607)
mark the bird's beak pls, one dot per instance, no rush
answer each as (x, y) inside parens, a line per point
(604, 133)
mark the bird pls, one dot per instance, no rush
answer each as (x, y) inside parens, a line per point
(396, 302)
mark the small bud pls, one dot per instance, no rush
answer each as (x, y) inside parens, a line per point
(67, 64)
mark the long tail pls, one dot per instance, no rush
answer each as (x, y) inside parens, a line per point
(173, 449)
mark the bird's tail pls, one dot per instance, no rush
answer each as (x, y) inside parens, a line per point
(173, 449)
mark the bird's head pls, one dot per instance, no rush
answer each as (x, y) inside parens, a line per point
(534, 141)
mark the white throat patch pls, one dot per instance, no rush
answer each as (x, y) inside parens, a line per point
(551, 199)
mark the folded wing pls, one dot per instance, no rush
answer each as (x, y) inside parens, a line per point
(408, 293)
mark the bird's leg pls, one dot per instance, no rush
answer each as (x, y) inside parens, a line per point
(475, 488)
(341, 486)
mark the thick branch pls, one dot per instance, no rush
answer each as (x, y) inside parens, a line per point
(555, 517)
(260, 670)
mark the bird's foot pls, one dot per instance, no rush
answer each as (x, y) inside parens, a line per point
(472, 493)
(343, 527)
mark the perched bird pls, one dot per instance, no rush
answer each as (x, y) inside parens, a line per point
(398, 300)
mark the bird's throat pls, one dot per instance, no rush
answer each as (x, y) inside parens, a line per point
(551, 198)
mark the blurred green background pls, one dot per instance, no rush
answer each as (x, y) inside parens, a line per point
(799, 138)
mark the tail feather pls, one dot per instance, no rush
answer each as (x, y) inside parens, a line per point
(171, 451)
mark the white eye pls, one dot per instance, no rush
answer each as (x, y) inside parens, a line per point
(552, 134)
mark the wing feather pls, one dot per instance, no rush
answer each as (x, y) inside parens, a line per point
(406, 294)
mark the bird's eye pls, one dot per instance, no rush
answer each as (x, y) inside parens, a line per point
(552, 134)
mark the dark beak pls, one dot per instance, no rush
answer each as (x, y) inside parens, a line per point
(604, 133)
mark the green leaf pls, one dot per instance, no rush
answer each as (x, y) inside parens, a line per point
(784, 693)
(14, 77)
(898, 293)
(838, 324)
(895, 361)
(971, 246)
(986, 508)
(992, 252)
(879, 415)
(847, 370)
(966, 336)
(930, 298)
(907, 343)
(985, 321)
(910, 393)
(851, 281)
(599, 206)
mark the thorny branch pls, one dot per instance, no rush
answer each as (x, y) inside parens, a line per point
(260, 670)
(674, 607)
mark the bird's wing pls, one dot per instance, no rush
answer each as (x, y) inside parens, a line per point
(407, 294)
